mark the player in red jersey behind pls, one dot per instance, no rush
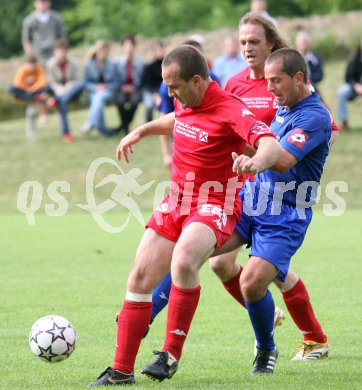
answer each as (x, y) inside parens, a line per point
(209, 126)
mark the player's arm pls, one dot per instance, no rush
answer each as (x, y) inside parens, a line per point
(166, 153)
(267, 154)
(285, 162)
(249, 150)
(334, 137)
(163, 125)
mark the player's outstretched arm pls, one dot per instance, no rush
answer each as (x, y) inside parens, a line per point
(159, 126)
(267, 154)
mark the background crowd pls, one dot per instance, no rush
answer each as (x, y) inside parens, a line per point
(50, 78)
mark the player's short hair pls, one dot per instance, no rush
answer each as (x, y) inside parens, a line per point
(190, 61)
(272, 34)
(292, 62)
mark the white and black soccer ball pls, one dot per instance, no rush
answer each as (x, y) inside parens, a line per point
(52, 338)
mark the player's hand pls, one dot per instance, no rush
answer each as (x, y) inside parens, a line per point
(244, 164)
(125, 145)
(167, 160)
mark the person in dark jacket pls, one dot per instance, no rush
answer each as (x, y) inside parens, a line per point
(130, 69)
(352, 87)
(152, 80)
(303, 42)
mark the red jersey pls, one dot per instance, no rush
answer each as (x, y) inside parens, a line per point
(205, 136)
(254, 93)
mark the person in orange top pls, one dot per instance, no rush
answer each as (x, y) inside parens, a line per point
(31, 84)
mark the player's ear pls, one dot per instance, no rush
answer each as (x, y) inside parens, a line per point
(196, 79)
(299, 76)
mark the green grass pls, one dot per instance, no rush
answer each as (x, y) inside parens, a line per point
(69, 266)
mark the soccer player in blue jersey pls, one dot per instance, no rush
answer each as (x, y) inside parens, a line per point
(277, 206)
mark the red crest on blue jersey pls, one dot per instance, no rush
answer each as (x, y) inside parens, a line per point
(298, 138)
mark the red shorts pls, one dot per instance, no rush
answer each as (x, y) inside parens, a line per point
(171, 217)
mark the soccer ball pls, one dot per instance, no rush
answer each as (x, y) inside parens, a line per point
(52, 338)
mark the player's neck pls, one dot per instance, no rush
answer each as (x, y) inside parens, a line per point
(198, 98)
(257, 73)
(304, 93)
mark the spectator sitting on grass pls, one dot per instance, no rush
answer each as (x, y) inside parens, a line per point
(101, 83)
(352, 86)
(130, 71)
(31, 85)
(64, 80)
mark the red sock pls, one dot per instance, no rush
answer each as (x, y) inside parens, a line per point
(133, 321)
(232, 286)
(300, 308)
(181, 309)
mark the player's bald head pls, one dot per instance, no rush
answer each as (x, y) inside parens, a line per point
(190, 62)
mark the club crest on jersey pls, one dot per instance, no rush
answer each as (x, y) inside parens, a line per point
(260, 128)
(204, 136)
(298, 138)
(279, 119)
(245, 112)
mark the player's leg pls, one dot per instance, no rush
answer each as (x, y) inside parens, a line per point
(298, 303)
(223, 265)
(229, 270)
(152, 262)
(188, 256)
(160, 296)
(254, 282)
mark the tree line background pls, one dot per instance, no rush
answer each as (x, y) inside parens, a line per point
(88, 20)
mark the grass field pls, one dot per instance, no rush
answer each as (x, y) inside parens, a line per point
(69, 266)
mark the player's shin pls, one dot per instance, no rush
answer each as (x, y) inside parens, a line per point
(133, 321)
(300, 308)
(261, 315)
(181, 309)
(232, 286)
(160, 296)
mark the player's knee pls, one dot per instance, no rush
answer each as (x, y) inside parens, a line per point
(139, 281)
(251, 289)
(183, 268)
(217, 265)
(279, 285)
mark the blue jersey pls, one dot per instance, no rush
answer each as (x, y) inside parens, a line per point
(166, 105)
(305, 131)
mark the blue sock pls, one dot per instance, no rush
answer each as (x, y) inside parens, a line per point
(261, 315)
(160, 295)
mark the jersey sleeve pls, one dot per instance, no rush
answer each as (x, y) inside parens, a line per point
(248, 127)
(307, 133)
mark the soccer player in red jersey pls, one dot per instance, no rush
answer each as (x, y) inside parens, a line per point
(258, 38)
(209, 127)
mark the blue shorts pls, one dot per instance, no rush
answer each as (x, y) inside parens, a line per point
(274, 238)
